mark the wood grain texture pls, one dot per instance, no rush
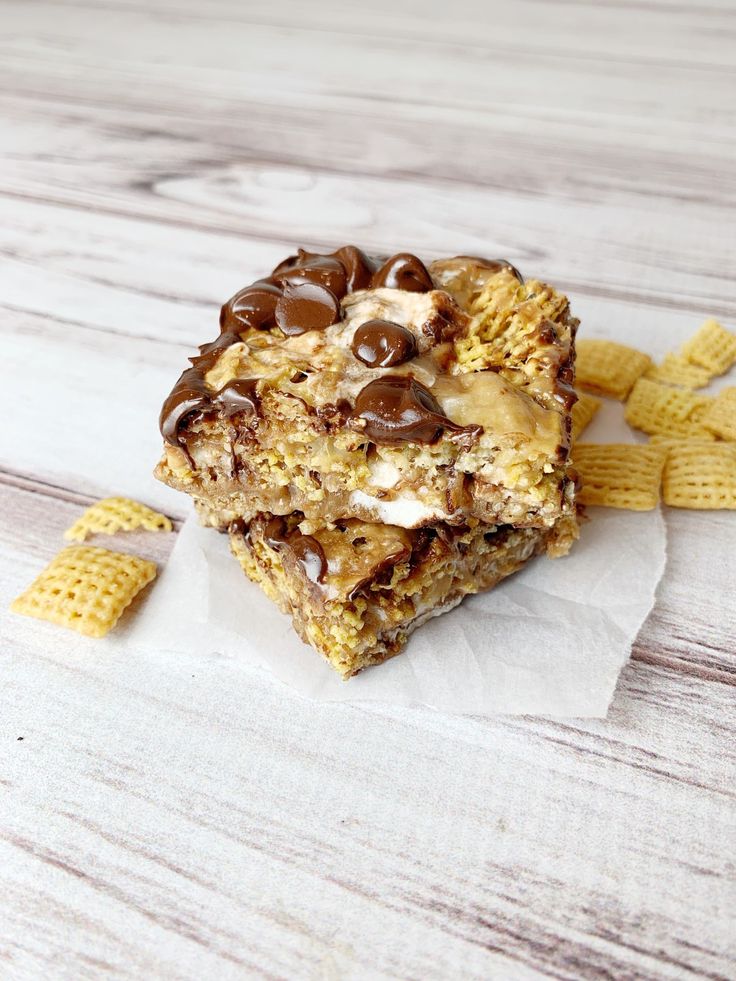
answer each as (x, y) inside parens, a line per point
(178, 817)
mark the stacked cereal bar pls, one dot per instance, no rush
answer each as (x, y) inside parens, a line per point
(380, 438)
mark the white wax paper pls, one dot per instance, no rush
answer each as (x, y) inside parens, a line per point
(550, 640)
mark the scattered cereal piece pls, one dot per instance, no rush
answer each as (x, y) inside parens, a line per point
(656, 408)
(712, 347)
(582, 413)
(619, 475)
(659, 439)
(85, 588)
(677, 370)
(720, 416)
(700, 476)
(607, 368)
(115, 514)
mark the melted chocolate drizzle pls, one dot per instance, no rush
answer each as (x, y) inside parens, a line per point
(306, 549)
(190, 396)
(383, 344)
(399, 409)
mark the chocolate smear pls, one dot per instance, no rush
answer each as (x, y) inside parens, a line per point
(310, 555)
(238, 396)
(306, 550)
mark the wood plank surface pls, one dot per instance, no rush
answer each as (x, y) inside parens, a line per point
(171, 816)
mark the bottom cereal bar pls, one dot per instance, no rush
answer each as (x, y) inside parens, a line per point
(356, 591)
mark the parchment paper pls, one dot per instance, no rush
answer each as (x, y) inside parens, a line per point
(550, 640)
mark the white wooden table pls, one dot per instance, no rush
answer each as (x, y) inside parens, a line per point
(168, 817)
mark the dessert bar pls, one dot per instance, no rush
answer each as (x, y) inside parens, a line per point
(344, 386)
(355, 591)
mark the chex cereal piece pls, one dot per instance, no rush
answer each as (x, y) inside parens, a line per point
(115, 514)
(677, 370)
(85, 588)
(608, 368)
(720, 416)
(619, 475)
(700, 476)
(656, 408)
(712, 346)
(582, 413)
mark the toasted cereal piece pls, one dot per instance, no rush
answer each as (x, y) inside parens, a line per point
(677, 370)
(720, 416)
(659, 439)
(114, 514)
(712, 347)
(661, 409)
(85, 588)
(619, 475)
(700, 476)
(582, 413)
(608, 368)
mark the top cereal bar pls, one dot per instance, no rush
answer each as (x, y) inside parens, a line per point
(348, 386)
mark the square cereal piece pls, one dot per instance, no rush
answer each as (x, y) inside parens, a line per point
(661, 409)
(608, 368)
(677, 370)
(720, 416)
(712, 347)
(86, 589)
(582, 414)
(114, 514)
(701, 476)
(619, 475)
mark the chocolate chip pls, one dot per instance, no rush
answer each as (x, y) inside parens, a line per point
(398, 409)
(403, 271)
(322, 269)
(252, 307)
(383, 344)
(305, 307)
(359, 267)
